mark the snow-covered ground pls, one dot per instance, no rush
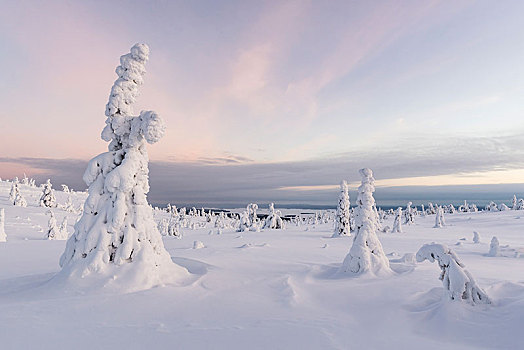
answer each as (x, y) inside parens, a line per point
(273, 289)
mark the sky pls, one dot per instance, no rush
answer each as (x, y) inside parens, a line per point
(274, 100)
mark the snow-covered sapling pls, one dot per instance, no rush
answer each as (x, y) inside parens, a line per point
(458, 283)
(48, 199)
(494, 247)
(342, 218)
(3, 236)
(63, 230)
(366, 254)
(397, 224)
(117, 238)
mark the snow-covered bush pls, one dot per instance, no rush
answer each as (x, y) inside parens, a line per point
(366, 254)
(397, 224)
(65, 189)
(342, 218)
(48, 199)
(274, 220)
(116, 236)
(3, 236)
(492, 206)
(476, 237)
(458, 283)
(494, 247)
(503, 207)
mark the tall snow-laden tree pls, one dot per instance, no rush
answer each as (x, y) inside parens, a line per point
(458, 283)
(116, 240)
(3, 236)
(342, 218)
(48, 199)
(366, 254)
(514, 203)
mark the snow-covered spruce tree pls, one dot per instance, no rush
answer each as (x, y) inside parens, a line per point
(68, 206)
(163, 226)
(3, 236)
(458, 283)
(53, 232)
(48, 199)
(116, 241)
(366, 254)
(342, 227)
(397, 224)
(514, 203)
(494, 247)
(274, 220)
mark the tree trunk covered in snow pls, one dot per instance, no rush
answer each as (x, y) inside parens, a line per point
(366, 254)
(116, 233)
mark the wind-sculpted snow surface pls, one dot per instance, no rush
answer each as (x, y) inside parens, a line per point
(458, 282)
(117, 237)
(366, 254)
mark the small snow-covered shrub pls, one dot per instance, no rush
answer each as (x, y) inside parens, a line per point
(366, 254)
(458, 283)
(342, 218)
(494, 247)
(198, 245)
(476, 237)
(3, 236)
(48, 199)
(274, 220)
